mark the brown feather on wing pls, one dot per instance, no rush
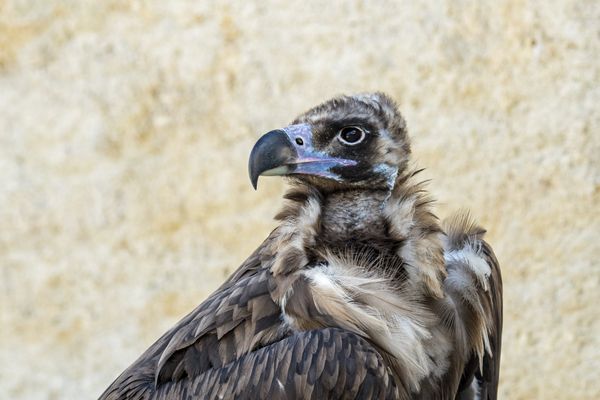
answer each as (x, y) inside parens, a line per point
(237, 318)
(489, 374)
(474, 306)
(319, 364)
(232, 322)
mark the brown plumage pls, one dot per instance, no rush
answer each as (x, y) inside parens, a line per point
(358, 293)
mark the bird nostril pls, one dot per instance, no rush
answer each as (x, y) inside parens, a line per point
(299, 141)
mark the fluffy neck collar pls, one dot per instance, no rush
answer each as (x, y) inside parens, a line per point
(403, 214)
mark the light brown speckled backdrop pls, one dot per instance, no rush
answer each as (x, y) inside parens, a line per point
(125, 128)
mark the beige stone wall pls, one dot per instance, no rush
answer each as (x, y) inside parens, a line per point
(125, 128)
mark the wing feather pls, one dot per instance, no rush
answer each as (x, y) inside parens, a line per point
(474, 288)
(204, 338)
(208, 354)
(290, 369)
(489, 374)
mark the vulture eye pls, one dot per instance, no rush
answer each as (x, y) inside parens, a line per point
(351, 135)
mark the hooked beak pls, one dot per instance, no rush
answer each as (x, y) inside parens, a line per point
(289, 151)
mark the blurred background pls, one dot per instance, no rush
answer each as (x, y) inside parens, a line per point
(125, 128)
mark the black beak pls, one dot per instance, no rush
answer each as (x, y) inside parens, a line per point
(271, 155)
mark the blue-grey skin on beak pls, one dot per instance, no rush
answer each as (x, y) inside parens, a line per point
(289, 151)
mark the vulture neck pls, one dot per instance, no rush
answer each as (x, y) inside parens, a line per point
(352, 214)
(399, 221)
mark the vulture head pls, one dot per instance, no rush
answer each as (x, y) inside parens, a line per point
(347, 142)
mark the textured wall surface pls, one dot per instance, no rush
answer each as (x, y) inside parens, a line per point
(125, 128)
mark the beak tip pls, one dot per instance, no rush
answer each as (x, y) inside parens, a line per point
(253, 179)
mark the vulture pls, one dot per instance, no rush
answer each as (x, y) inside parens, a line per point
(360, 292)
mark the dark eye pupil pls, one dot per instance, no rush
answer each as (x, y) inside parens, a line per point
(351, 135)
